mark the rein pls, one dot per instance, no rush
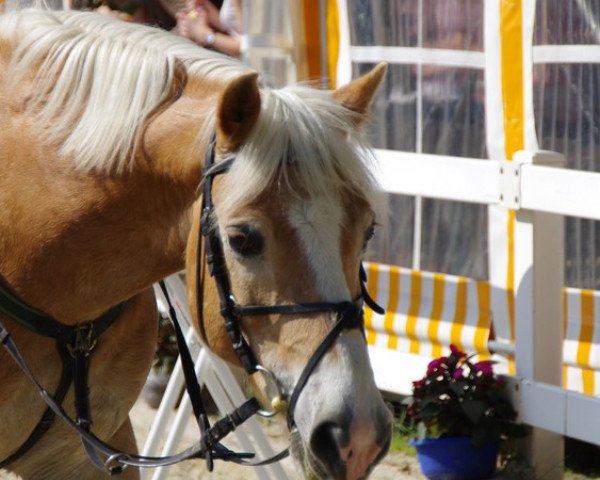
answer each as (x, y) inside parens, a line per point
(79, 341)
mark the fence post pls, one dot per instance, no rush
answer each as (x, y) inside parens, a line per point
(539, 275)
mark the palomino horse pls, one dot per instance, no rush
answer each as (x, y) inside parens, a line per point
(104, 127)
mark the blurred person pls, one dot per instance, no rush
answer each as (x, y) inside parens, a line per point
(212, 27)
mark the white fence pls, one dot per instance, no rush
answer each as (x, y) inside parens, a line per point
(541, 196)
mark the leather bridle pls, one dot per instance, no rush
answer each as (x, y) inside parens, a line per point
(76, 343)
(349, 315)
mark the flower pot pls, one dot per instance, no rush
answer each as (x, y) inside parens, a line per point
(456, 458)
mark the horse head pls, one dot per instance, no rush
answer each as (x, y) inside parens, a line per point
(292, 215)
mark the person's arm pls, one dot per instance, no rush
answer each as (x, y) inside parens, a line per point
(194, 25)
(212, 14)
(223, 43)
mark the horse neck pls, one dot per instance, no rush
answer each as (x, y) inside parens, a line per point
(76, 243)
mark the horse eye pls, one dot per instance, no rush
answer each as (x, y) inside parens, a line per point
(245, 240)
(369, 234)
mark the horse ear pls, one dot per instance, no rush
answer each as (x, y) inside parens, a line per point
(358, 94)
(237, 112)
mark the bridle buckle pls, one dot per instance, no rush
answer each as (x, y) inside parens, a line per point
(84, 341)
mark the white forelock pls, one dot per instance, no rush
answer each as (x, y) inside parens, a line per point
(304, 141)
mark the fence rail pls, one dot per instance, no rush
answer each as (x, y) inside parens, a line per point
(541, 196)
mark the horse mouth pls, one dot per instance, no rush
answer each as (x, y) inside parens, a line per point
(311, 468)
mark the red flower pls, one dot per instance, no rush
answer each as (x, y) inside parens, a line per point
(485, 367)
(418, 384)
(435, 365)
(457, 352)
(458, 373)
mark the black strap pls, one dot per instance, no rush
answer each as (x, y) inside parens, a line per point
(74, 343)
(292, 309)
(372, 304)
(43, 324)
(349, 316)
(30, 318)
(215, 260)
(48, 417)
(191, 382)
(115, 459)
(211, 436)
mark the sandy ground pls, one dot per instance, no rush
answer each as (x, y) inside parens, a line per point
(395, 466)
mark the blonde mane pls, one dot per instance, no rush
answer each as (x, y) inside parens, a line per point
(98, 79)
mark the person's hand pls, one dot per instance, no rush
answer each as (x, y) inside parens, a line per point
(105, 10)
(193, 24)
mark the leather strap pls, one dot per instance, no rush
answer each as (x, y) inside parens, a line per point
(116, 460)
(349, 314)
(74, 343)
(46, 325)
(349, 317)
(47, 419)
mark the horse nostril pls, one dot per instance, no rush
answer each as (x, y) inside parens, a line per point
(326, 443)
(384, 440)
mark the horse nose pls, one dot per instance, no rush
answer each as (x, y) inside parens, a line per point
(327, 442)
(348, 451)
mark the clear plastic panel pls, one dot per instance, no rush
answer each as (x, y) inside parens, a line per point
(393, 240)
(567, 112)
(567, 22)
(428, 109)
(567, 115)
(393, 114)
(453, 109)
(582, 253)
(452, 24)
(452, 106)
(455, 238)
(383, 22)
(273, 39)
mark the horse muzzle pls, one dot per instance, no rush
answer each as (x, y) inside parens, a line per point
(344, 447)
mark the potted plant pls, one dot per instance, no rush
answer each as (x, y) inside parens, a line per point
(461, 412)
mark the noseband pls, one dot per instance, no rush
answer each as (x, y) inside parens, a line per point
(349, 315)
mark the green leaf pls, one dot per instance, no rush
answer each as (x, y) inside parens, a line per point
(458, 388)
(474, 409)
(479, 436)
